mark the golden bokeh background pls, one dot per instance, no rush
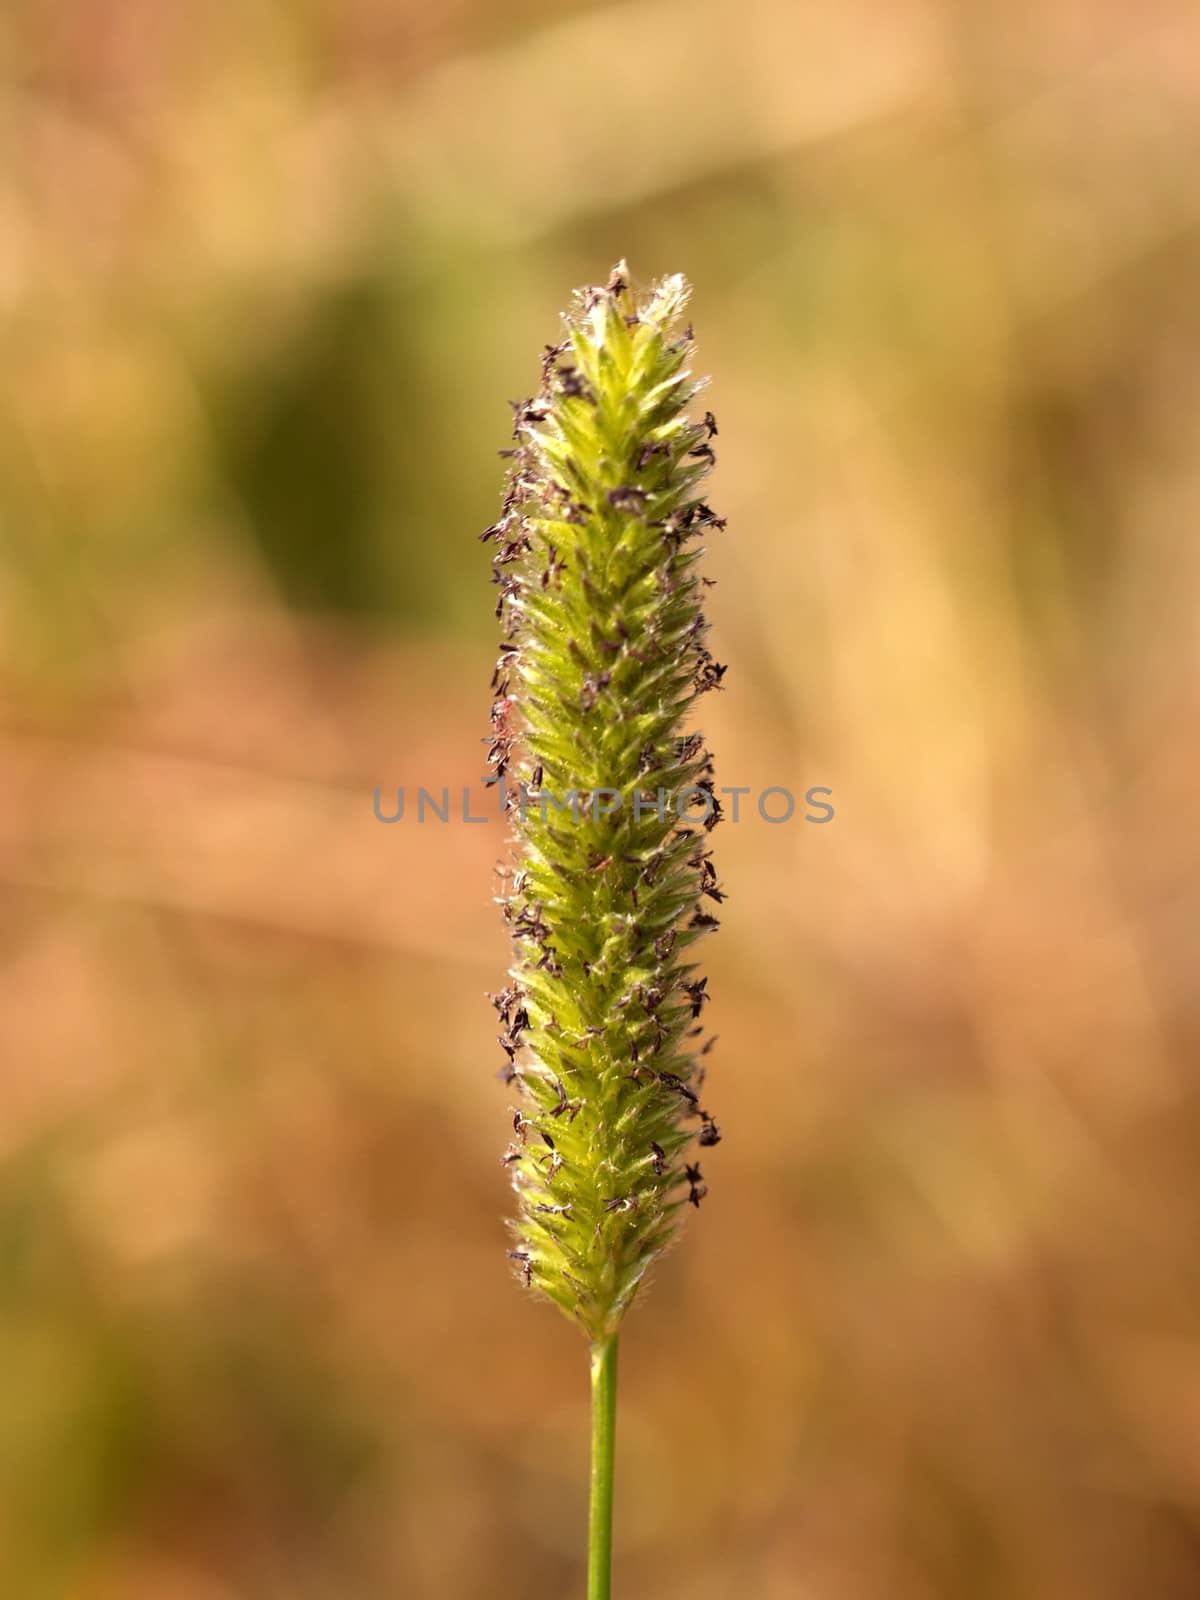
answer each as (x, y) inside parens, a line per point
(269, 271)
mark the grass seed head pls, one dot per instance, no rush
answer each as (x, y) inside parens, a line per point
(597, 554)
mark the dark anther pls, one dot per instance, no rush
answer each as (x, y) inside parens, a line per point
(671, 1081)
(698, 992)
(708, 672)
(563, 1103)
(708, 882)
(505, 1000)
(627, 498)
(531, 411)
(648, 452)
(571, 385)
(528, 924)
(710, 1134)
(591, 688)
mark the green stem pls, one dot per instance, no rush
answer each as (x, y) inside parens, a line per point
(604, 1429)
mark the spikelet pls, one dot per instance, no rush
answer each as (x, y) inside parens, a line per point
(610, 795)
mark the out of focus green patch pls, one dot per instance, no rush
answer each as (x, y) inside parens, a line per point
(308, 440)
(117, 1409)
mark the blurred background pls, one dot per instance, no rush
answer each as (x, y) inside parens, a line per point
(269, 272)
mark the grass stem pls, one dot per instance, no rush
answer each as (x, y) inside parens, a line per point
(604, 1428)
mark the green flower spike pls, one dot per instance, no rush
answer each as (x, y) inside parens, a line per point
(611, 799)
